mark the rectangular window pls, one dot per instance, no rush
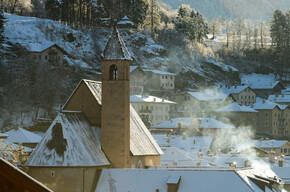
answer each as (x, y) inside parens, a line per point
(285, 150)
(140, 82)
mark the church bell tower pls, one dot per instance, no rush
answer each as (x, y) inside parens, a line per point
(115, 120)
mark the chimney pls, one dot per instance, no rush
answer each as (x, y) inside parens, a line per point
(272, 157)
(173, 183)
(154, 99)
(2, 137)
(235, 86)
(162, 99)
(264, 101)
(233, 165)
(247, 163)
(281, 161)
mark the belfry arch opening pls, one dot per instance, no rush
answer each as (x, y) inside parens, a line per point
(113, 72)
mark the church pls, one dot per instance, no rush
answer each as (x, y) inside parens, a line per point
(96, 129)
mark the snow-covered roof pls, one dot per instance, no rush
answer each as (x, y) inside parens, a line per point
(224, 160)
(266, 104)
(125, 21)
(282, 172)
(39, 47)
(181, 158)
(235, 107)
(3, 136)
(141, 141)
(159, 72)
(188, 144)
(236, 89)
(272, 143)
(259, 81)
(191, 179)
(207, 96)
(264, 85)
(187, 122)
(148, 99)
(116, 48)
(21, 135)
(69, 141)
(280, 98)
(132, 68)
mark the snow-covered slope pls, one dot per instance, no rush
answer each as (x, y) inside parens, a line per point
(27, 30)
(251, 9)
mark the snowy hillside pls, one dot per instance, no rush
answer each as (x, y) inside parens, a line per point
(250, 9)
(29, 30)
(86, 46)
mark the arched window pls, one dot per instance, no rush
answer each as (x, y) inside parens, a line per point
(113, 72)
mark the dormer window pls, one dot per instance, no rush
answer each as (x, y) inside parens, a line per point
(113, 72)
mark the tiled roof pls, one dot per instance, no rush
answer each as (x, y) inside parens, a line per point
(69, 141)
(115, 48)
(280, 98)
(141, 141)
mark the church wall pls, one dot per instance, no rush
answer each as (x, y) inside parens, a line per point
(83, 100)
(65, 179)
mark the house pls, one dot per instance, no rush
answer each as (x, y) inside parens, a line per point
(159, 82)
(199, 104)
(202, 126)
(264, 89)
(187, 179)
(157, 108)
(272, 120)
(13, 179)
(43, 53)
(243, 94)
(137, 80)
(278, 147)
(97, 128)
(238, 115)
(283, 99)
(22, 137)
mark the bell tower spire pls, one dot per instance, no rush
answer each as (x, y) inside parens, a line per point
(115, 120)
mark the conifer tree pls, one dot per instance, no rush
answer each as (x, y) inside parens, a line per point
(152, 20)
(2, 21)
(52, 8)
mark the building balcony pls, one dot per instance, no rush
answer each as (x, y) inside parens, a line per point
(282, 118)
(282, 126)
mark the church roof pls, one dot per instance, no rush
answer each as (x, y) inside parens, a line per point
(116, 48)
(141, 141)
(70, 141)
(80, 144)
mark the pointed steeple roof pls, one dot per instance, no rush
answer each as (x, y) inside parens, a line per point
(116, 48)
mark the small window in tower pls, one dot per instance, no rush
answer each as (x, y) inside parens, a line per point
(113, 72)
